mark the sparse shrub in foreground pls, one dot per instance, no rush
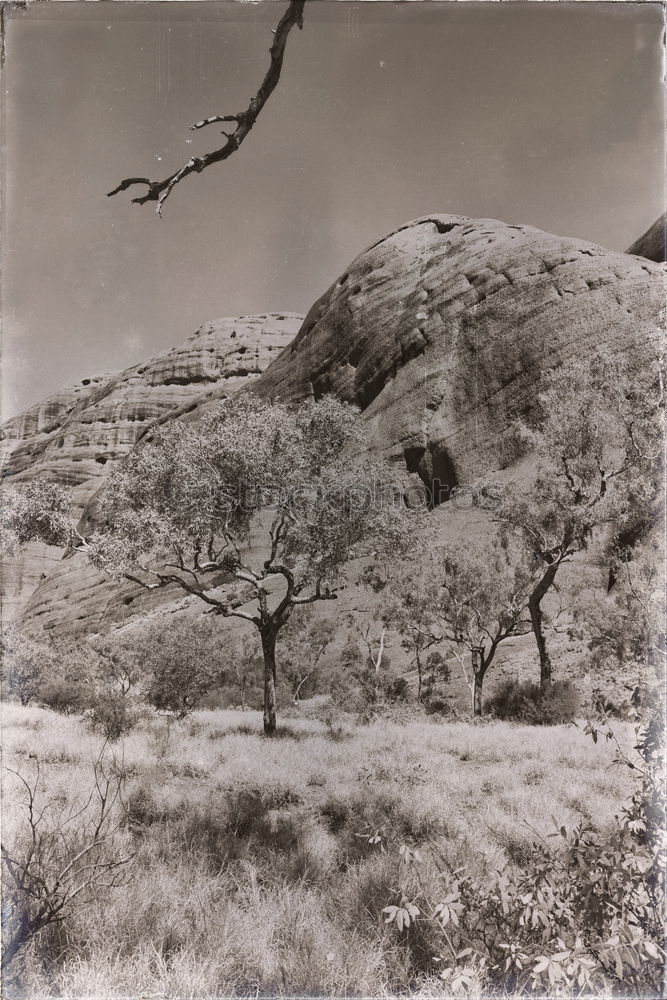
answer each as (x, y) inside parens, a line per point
(528, 702)
(61, 856)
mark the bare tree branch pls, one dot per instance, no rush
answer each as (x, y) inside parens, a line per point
(244, 120)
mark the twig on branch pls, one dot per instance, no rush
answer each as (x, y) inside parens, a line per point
(160, 190)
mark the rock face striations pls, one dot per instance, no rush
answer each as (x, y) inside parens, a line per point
(441, 332)
(76, 436)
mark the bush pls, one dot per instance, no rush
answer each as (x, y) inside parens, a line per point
(112, 716)
(585, 917)
(336, 720)
(437, 706)
(64, 695)
(527, 702)
(25, 664)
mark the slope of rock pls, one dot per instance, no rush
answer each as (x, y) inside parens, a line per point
(76, 436)
(653, 243)
(441, 332)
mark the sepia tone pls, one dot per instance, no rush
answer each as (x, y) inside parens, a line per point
(333, 636)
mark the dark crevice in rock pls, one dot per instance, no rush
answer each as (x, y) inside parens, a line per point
(355, 355)
(435, 468)
(187, 379)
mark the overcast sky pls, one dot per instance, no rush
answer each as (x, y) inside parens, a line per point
(546, 114)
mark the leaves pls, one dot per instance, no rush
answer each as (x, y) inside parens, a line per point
(402, 915)
(583, 917)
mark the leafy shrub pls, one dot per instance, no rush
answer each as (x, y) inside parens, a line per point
(25, 663)
(585, 917)
(112, 716)
(65, 695)
(527, 702)
(437, 706)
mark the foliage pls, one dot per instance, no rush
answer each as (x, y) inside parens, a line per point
(71, 684)
(303, 642)
(182, 661)
(112, 716)
(240, 682)
(178, 510)
(597, 433)
(66, 695)
(118, 666)
(37, 511)
(587, 917)
(25, 664)
(528, 702)
(628, 627)
(469, 599)
(435, 669)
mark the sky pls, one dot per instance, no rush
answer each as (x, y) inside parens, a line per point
(548, 114)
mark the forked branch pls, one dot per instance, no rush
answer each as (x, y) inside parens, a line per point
(243, 121)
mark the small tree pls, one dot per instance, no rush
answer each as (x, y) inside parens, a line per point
(627, 627)
(25, 664)
(182, 661)
(437, 668)
(598, 439)
(246, 663)
(471, 600)
(118, 665)
(305, 643)
(179, 509)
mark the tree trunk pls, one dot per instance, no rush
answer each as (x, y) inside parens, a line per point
(269, 651)
(536, 617)
(19, 938)
(477, 679)
(376, 668)
(419, 676)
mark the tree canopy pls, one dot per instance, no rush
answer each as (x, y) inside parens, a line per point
(597, 433)
(182, 509)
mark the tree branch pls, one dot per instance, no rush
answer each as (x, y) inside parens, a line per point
(159, 191)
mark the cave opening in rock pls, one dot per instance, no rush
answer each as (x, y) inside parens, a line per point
(435, 468)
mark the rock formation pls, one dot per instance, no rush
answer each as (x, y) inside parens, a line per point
(441, 332)
(653, 243)
(76, 436)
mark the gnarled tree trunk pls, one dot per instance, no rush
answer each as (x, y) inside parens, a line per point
(536, 617)
(478, 671)
(269, 651)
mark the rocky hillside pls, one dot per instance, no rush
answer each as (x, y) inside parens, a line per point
(441, 332)
(76, 436)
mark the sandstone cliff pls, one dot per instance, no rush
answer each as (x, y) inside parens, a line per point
(76, 436)
(441, 332)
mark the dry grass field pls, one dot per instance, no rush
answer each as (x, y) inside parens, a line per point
(254, 869)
